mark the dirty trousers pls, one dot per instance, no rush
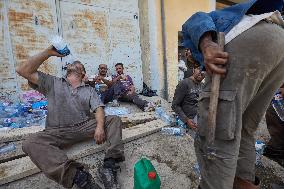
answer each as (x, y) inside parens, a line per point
(255, 70)
(116, 90)
(45, 148)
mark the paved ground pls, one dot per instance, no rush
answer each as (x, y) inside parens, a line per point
(173, 158)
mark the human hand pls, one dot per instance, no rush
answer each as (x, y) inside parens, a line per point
(190, 123)
(100, 135)
(85, 78)
(98, 79)
(214, 58)
(51, 51)
(123, 77)
(282, 92)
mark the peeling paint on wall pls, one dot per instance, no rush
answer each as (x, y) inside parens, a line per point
(98, 31)
(125, 44)
(27, 28)
(101, 35)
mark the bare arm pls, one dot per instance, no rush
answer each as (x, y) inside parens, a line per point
(100, 135)
(28, 69)
(116, 79)
(107, 82)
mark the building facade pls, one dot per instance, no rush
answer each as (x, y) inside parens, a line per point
(142, 34)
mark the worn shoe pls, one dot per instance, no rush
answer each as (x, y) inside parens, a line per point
(108, 176)
(149, 107)
(84, 180)
(115, 103)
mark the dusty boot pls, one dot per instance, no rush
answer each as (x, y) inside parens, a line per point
(108, 174)
(240, 183)
(84, 180)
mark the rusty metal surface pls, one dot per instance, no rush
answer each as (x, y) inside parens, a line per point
(98, 31)
(8, 85)
(122, 5)
(104, 35)
(25, 28)
(125, 44)
(30, 24)
(85, 28)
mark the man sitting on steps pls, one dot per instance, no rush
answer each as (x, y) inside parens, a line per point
(70, 105)
(123, 89)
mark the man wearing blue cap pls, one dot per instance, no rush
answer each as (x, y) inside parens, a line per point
(253, 67)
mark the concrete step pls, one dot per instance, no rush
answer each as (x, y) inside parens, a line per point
(23, 167)
(19, 134)
(128, 121)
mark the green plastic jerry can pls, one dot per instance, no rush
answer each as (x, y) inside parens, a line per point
(145, 175)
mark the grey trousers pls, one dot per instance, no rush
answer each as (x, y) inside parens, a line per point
(45, 148)
(254, 72)
(135, 99)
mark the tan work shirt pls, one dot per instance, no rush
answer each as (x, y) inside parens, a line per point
(66, 106)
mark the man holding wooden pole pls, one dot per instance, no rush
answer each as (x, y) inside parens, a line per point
(252, 68)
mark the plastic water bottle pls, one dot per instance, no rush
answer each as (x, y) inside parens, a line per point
(278, 105)
(163, 115)
(180, 123)
(158, 111)
(60, 45)
(40, 105)
(4, 129)
(259, 147)
(196, 169)
(7, 148)
(97, 87)
(173, 131)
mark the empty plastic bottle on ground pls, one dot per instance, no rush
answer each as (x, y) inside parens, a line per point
(196, 169)
(7, 148)
(173, 131)
(259, 147)
(278, 105)
(163, 115)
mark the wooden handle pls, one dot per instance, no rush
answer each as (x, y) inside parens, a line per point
(214, 97)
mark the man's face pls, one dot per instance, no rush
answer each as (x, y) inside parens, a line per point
(179, 56)
(198, 74)
(119, 69)
(103, 69)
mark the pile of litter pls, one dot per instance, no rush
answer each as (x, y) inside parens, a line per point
(30, 110)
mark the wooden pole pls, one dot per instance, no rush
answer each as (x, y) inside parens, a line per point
(211, 153)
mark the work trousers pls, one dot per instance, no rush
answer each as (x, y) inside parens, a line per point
(45, 148)
(255, 70)
(276, 130)
(116, 92)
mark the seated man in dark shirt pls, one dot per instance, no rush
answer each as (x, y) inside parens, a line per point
(186, 97)
(71, 105)
(123, 90)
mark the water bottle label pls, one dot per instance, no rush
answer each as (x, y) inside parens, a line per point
(64, 51)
